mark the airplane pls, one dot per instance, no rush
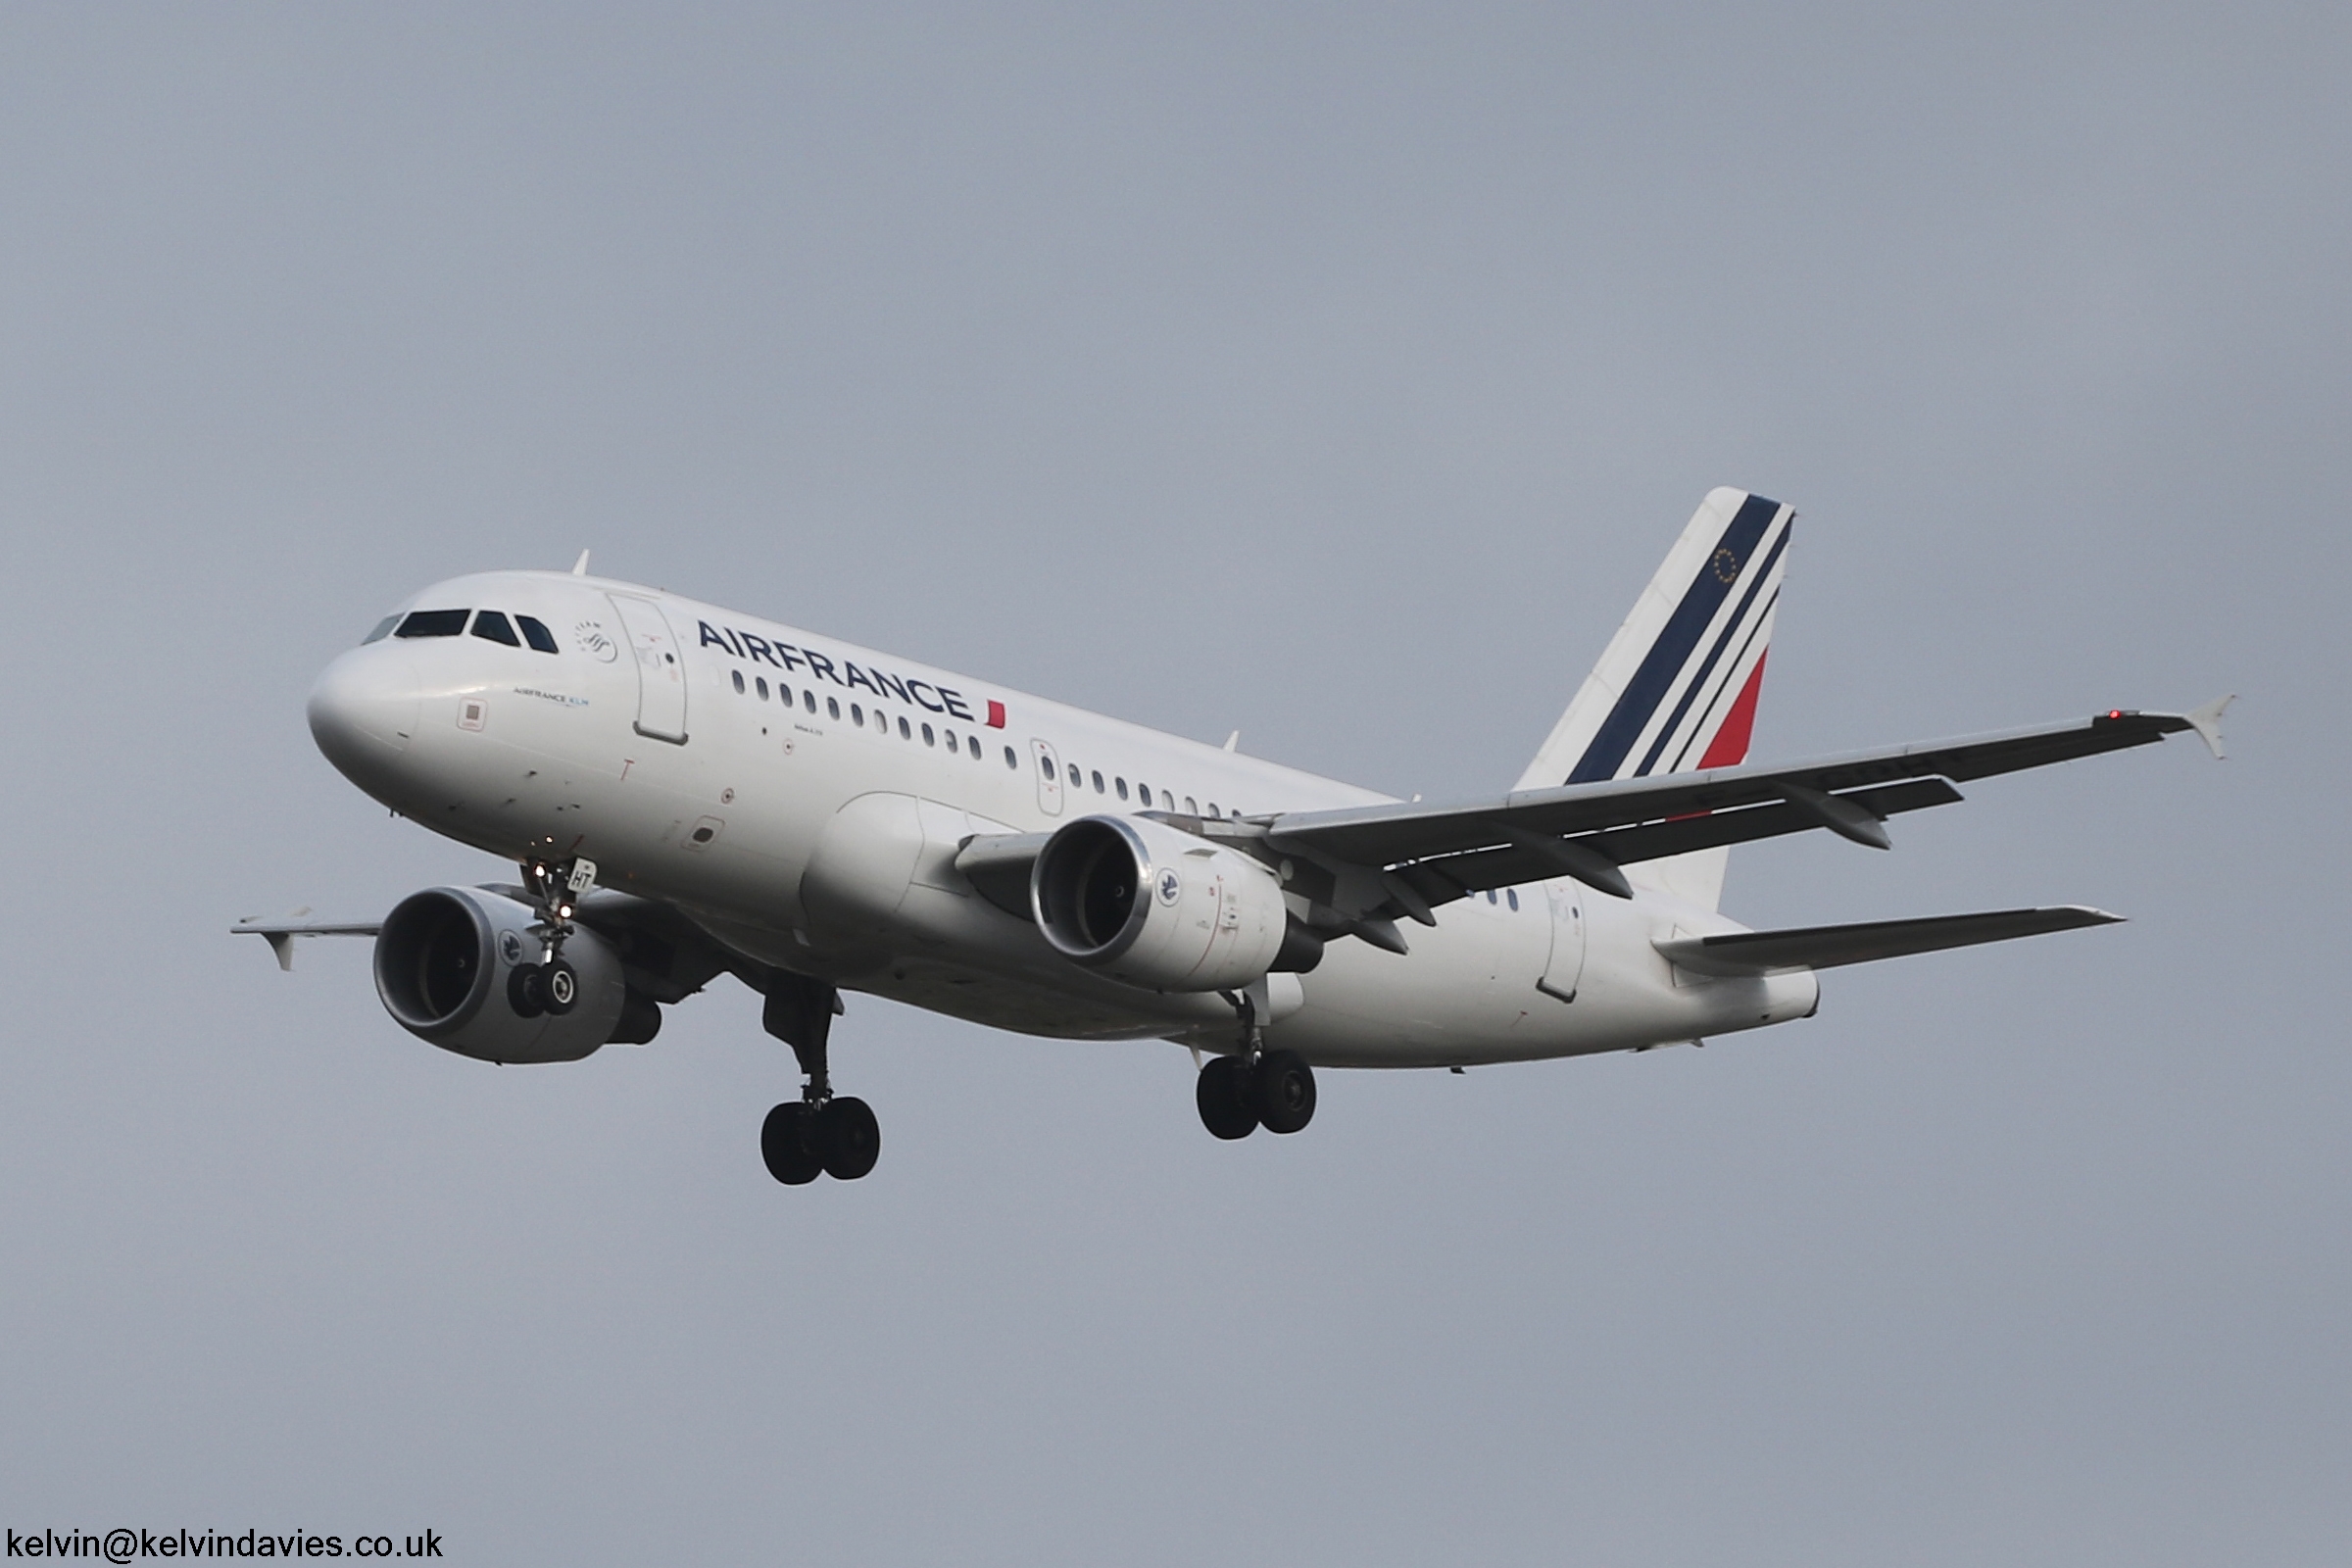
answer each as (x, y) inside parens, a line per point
(689, 791)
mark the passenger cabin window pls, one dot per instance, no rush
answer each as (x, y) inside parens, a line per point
(384, 629)
(759, 684)
(928, 738)
(905, 732)
(971, 744)
(1074, 779)
(1045, 764)
(535, 632)
(433, 623)
(783, 694)
(832, 704)
(1097, 782)
(1511, 896)
(1191, 808)
(858, 715)
(1121, 786)
(491, 626)
(1014, 762)
(738, 675)
(808, 700)
(1212, 807)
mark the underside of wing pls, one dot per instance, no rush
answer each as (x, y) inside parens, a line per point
(1587, 830)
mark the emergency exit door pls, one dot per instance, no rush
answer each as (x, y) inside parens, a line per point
(1566, 901)
(1048, 777)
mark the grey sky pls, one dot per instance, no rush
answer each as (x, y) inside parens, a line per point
(1337, 373)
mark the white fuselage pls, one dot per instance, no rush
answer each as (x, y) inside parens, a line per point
(814, 828)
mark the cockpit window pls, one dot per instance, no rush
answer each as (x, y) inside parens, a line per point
(492, 625)
(384, 629)
(433, 623)
(535, 632)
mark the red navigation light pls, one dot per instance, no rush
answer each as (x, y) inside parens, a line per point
(2115, 712)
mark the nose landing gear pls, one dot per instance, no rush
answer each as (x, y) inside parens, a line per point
(551, 986)
(819, 1133)
(1254, 1087)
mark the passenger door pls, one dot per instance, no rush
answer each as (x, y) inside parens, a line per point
(661, 670)
(1048, 777)
(1566, 901)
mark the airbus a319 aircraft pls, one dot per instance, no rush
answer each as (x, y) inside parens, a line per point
(690, 791)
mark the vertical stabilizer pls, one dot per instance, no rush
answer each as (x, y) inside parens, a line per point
(1676, 690)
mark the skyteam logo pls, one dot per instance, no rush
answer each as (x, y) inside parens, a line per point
(1170, 886)
(590, 634)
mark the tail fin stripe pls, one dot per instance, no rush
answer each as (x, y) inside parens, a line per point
(1758, 635)
(1730, 744)
(1671, 653)
(1758, 579)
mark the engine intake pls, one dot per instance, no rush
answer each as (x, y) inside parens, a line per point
(1156, 907)
(442, 966)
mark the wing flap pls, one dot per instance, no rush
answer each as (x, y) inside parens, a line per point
(1826, 946)
(1514, 865)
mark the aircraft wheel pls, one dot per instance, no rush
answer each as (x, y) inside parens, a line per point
(848, 1136)
(563, 988)
(1286, 1090)
(785, 1144)
(526, 991)
(1222, 1091)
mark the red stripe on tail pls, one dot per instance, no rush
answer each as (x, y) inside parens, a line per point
(1728, 748)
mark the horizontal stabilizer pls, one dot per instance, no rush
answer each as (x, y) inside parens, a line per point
(1825, 947)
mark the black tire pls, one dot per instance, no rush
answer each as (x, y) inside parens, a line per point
(563, 988)
(1222, 1091)
(785, 1144)
(848, 1138)
(1286, 1090)
(526, 991)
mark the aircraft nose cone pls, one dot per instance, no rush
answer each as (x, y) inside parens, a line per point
(365, 708)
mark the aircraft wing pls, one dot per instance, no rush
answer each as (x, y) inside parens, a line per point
(280, 934)
(1444, 851)
(1825, 947)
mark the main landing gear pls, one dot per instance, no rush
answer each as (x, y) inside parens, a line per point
(549, 986)
(1254, 1087)
(817, 1134)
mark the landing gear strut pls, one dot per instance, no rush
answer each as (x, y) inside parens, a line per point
(551, 986)
(1254, 1087)
(817, 1134)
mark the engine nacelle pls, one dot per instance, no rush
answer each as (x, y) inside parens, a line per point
(1156, 907)
(442, 966)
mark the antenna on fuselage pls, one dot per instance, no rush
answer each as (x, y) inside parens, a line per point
(579, 568)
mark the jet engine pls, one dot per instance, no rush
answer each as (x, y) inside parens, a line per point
(445, 966)
(1156, 907)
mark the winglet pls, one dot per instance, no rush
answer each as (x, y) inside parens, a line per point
(2207, 722)
(1233, 740)
(579, 568)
